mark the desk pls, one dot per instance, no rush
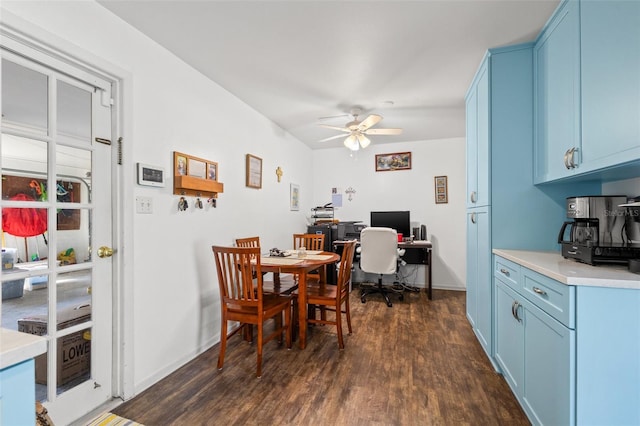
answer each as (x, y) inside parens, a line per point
(416, 253)
(300, 267)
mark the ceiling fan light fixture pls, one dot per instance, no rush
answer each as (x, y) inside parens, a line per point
(364, 141)
(352, 143)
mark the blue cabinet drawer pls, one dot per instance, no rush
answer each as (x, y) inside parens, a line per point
(508, 272)
(553, 297)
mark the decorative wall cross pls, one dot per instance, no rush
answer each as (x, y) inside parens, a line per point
(350, 191)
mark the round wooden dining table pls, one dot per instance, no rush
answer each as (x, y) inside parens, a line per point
(300, 266)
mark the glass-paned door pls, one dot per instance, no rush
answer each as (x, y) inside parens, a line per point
(56, 213)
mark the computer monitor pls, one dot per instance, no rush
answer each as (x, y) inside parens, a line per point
(398, 220)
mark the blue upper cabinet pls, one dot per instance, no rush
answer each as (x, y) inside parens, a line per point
(478, 164)
(556, 61)
(587, 91)
(610, 58)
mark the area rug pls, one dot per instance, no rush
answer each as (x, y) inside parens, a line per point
(110, 419)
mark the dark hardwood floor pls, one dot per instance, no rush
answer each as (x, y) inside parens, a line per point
(417, 363)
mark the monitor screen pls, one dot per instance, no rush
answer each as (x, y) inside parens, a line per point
(398, 220)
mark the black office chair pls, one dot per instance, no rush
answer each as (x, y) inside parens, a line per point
(379, 254)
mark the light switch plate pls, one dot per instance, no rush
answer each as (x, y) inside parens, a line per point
(144, 205)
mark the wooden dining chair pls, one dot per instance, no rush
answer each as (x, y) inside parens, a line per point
(282, 283)
(310, 242)
(333, 297)
(243, 302)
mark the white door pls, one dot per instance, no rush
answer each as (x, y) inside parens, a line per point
(56, 205)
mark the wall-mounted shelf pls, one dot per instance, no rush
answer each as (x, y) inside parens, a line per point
(197, 187)
(196, 177)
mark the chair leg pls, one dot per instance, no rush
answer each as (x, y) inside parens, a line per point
(223, 343)
(287, 323)
(377, 289)
(259, 367)
(348, 313)
(339, 326)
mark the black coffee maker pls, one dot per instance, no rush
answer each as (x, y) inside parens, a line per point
(596, 232)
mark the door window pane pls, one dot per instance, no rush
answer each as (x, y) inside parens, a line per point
(24, 169)
(24, 97)
(74, 111)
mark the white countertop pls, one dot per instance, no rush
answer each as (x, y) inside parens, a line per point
(571, 272)
(16, 347)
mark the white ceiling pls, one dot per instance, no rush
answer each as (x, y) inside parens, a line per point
(298, 60)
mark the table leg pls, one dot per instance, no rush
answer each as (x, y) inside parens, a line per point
(428, 275)
(302, 309)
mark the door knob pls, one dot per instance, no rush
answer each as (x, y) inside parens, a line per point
(105, 251)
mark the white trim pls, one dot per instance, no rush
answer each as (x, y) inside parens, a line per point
(117, 82)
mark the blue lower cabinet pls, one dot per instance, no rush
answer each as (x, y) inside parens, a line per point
(534, 352)
(570, 354)
(18, 394)
(509, 337)
(548, 394)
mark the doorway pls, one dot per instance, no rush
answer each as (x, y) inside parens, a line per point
(57, 227)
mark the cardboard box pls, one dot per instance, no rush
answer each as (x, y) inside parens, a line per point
(74, 350)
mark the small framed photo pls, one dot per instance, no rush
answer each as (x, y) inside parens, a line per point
(179, 164)
(442, 196)
(294, 197)
(196, 168)
(150, 175)
(212, 171)
(392, 162)
(253, 171)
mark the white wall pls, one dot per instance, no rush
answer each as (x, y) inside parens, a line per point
(404, 190)
(170, 106)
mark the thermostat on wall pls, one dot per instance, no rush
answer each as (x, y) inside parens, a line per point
(150, 175)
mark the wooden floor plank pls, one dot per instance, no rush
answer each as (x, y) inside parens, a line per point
(417, 363)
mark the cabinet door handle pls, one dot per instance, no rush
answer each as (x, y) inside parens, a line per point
(473, 218)
(539, 291)
(514, 310)
(473, 196)
(504, 271)
(572, 159)
(566, 159)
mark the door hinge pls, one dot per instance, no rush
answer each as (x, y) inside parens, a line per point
(120, 151)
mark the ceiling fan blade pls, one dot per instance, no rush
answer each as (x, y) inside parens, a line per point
(383, 132)
(342, 129)
(333, 116)
(331, 138)
(371, 120)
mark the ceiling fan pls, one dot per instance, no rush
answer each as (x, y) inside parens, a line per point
(358, 130)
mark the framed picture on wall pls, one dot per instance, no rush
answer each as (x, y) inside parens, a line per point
(391, 162)
(254, 171)
(212, 171)
(441, 190)
(179, 164)
(294, 197)
(196, 168)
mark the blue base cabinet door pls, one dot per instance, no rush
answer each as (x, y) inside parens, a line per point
(548, 394)
(509, 337)
(18, 394)
(479, 294)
